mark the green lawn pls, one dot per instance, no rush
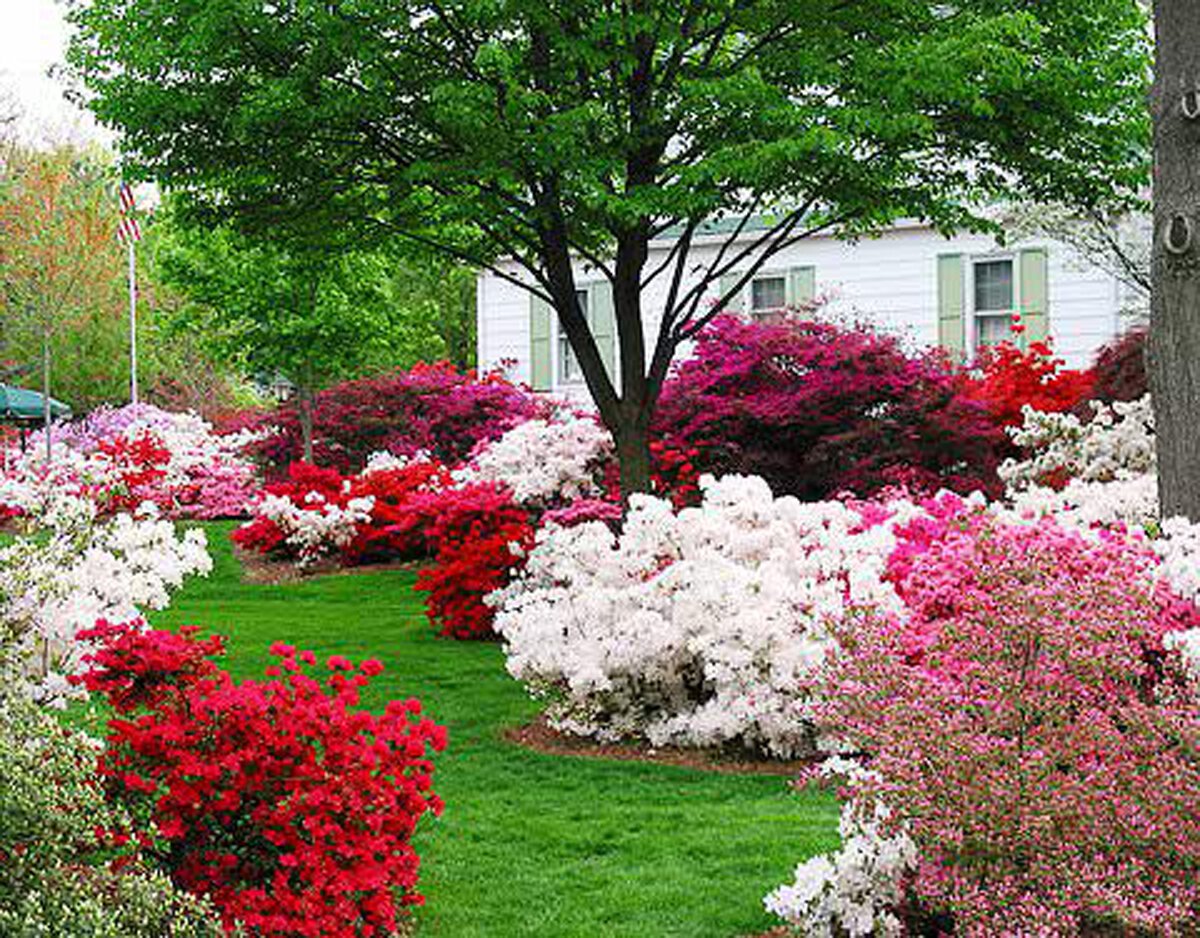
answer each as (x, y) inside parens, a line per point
(529, 844)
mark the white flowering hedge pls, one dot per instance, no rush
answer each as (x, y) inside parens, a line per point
(697, 627)
(545, 462)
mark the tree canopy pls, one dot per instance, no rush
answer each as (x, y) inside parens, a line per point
(542, 132)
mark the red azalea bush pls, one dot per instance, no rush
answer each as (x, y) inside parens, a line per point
(816, 408)
(1028, 730)
(1120, 369)
(433, 409)
(280, 800)
(392, 528)
(1010, 378)
(480, 538)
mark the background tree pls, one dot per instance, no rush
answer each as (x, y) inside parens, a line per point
(58, 249)
(277, 310)
(1174, 350)
(541, 132)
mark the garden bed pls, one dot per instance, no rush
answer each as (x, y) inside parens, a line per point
(541, 737)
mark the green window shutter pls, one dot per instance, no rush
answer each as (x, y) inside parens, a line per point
(952, 297)
(541, 316)
(1035, 297)
(604, 325)
(728, 282)
(801, 286)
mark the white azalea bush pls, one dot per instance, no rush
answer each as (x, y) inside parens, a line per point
(854, 891)
(545, 462)
(73, 567)
(697, 627)
(319, 529)
(54, 824)
(1097, 473)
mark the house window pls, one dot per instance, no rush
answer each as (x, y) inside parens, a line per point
(569, 371)
(994, 307)
(768, 295)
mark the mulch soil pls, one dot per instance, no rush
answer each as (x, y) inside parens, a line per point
(541, 737)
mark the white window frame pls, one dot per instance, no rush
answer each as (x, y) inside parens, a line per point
(748, 298)
(559, 360)
(973, 314)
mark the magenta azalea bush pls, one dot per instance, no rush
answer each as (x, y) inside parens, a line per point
(815, 408)
(1028, 731)
(434, 410)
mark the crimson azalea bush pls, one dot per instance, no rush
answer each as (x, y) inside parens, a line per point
(1120, 369)
(479, 538)
(431, 409)
(1028, 730)
(1011, 378)
(815, 409)
(291, 809)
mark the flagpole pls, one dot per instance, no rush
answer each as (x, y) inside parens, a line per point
(133, 358)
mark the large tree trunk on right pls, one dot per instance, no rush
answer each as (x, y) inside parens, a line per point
(1174, 349)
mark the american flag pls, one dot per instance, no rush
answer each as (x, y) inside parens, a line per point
(128, 231)
(125, 194)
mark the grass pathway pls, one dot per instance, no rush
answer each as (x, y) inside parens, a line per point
(529, 844)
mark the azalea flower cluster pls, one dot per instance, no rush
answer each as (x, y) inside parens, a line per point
(281, 801)
(75, 567)
(1035, 746)
(123, 457)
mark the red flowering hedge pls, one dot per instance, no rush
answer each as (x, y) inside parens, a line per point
(1010, 378)
(279, 799)
(434, 409)
(479, 538)
(816, 408)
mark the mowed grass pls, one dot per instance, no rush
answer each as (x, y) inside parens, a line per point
(529, 844)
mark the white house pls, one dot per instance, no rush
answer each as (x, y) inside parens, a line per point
(959, 293)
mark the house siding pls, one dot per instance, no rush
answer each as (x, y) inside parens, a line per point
(890, 281)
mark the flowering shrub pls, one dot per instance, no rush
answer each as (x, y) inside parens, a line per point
(816, 408)
(1012, 379)
(694, 627)
(76, 567)
(1098, 472)
(431, 409)
(54, 879)
(545, 462)
(1120, 368)
(287, 806)
(479, 538)
(123, 457)
(1028, 729)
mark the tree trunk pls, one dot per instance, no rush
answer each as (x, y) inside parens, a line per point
(633, 454)
(304, 396)
(46, 416)
(1174, 347)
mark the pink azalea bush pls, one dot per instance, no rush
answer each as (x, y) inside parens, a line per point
(815, 408)
(1028, 730)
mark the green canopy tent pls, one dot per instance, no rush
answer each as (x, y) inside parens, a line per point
(22, 404)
